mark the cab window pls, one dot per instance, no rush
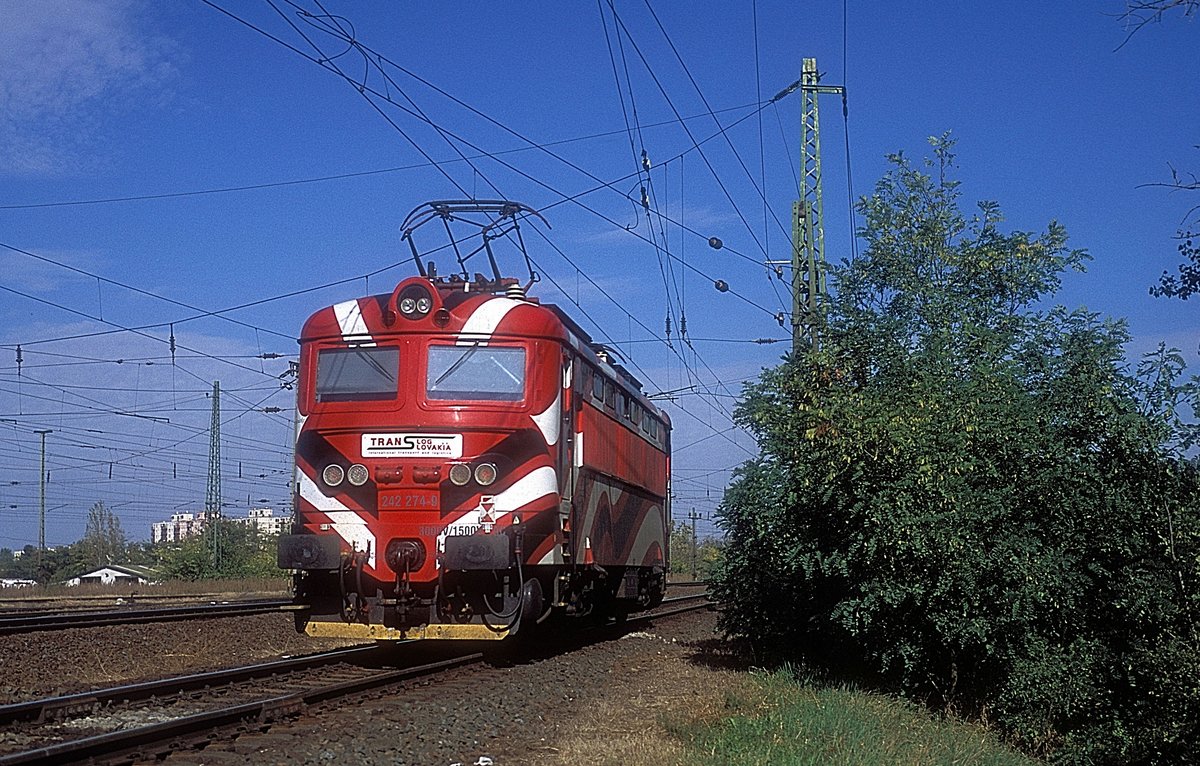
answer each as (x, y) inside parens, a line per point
(476, 372)
(357, 374)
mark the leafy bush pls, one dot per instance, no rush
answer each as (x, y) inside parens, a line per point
(972, 499)
(240, 552)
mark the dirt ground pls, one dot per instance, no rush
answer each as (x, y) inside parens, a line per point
(607, 703)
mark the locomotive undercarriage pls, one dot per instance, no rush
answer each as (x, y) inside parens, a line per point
(473, 605)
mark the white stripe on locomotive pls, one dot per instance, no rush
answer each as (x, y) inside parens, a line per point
(348, 524)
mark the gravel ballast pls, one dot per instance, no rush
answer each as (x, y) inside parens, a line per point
(607, 702)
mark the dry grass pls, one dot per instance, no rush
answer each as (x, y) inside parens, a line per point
(640, 704)
(693, 703)
(273, 586)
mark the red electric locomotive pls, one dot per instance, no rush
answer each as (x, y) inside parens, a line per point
(468, 463)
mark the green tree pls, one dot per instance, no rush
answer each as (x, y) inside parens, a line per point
(707, 552)
(242, 552)
(103, 539)
(970, 498)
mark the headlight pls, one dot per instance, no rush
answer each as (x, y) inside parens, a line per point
(358, 474)
(333, 474)
(485, 473)
(414, 302)
(460, 474)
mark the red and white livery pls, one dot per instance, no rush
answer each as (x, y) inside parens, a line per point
(468, 463)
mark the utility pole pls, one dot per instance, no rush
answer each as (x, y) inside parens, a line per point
(212, 497)
(694, 516)
(808, 213)
(42, 504)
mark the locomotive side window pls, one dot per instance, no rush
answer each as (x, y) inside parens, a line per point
(357, 374)
(597, 385)
(476, 372)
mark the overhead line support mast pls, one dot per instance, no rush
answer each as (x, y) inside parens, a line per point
(808, 223)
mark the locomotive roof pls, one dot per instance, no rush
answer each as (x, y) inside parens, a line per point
(369, 314)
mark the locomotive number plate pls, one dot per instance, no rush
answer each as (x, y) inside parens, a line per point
(408, 500)
(412, 445)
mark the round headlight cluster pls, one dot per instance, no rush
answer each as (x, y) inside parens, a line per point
(333, 474)
(358, 474)
(484, 474)
(414, 302)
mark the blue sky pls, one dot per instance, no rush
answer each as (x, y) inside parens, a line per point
(106, 100)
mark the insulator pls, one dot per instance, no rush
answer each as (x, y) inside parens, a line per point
(645, 199)
(683, 325)
(645, 161)
(172, 344)
(20, 359)
(668, 322)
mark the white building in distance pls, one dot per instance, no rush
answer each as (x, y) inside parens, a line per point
(114, 574)
(184, 525)
(179, 528)
(266, 522)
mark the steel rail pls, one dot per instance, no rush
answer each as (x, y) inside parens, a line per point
(141, 740)
(130, 596)
(22, 623)
(258, 712)
(40, 709)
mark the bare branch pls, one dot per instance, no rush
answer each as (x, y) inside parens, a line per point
(1139, 13)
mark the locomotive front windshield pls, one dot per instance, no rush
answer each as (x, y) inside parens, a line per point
(357, 374)
(476, 372)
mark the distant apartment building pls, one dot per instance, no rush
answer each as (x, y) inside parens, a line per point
(184, 525)
(180, 527)
(266, 522)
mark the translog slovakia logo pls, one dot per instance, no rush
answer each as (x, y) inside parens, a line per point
(412, 445)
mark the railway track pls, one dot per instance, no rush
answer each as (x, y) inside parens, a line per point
(29, 621)
(151, 719)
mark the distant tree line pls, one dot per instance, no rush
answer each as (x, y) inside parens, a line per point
(226, 550)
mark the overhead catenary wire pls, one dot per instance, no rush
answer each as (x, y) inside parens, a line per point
(140, 291)
(565, 198)
(641, 164)
(761, 190)
(697, 340)
(666, 96)
(324, 61)
(344, 176)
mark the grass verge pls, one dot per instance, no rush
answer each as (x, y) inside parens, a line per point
(775, 719)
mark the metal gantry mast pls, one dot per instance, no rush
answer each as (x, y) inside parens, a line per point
(212, 496)
(808, 214)
(42, 504)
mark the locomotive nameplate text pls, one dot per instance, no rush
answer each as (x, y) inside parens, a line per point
(412, 445)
